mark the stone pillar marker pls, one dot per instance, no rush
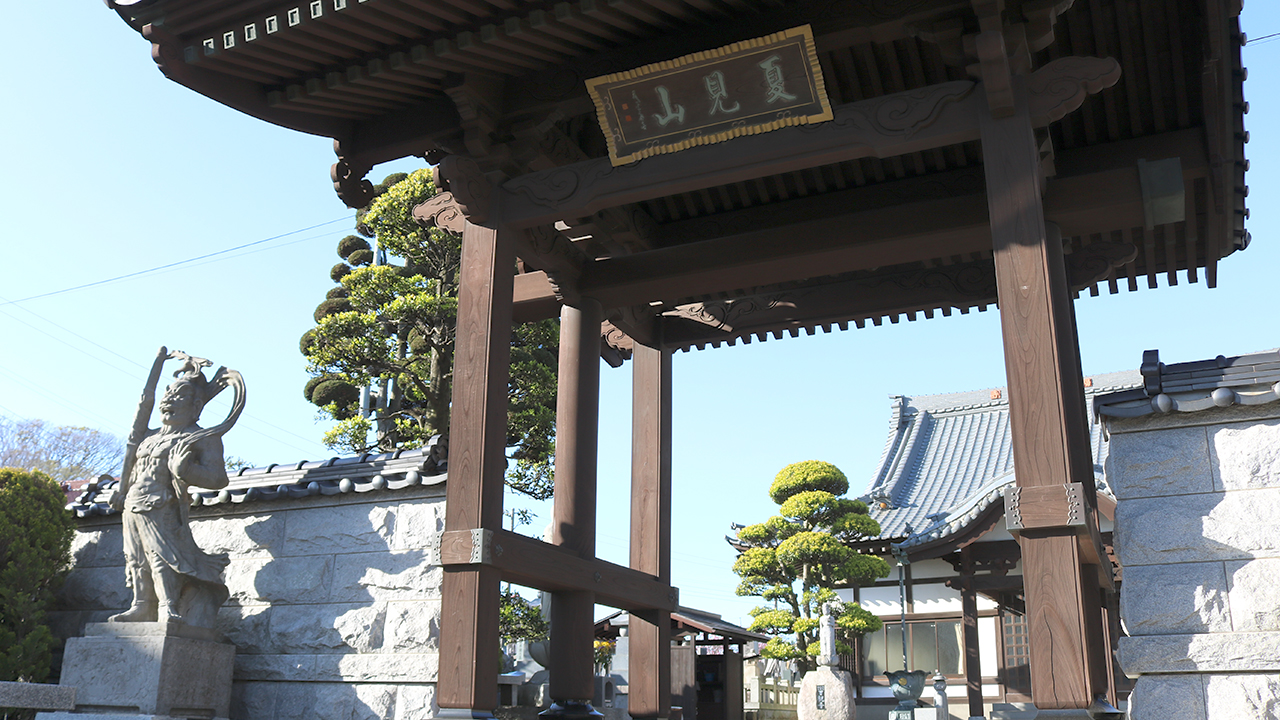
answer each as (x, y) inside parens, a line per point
(826, 693)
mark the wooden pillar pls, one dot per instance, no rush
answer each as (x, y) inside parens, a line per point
(650, 636)
(972, 657)
(574, 517)
(1050, 434)
(469, 650)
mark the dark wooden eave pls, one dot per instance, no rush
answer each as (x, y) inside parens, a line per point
(822, 235)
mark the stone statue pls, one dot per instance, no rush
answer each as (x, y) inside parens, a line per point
(172, 579)
(827, 654)
(827, 692)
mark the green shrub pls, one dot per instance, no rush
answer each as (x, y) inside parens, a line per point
(519, 619)
(331, 306)
(332, 390)
(807, 475)
(339, 271)
(360, 258)
(350, 244)
(307, 340)
(35, 551)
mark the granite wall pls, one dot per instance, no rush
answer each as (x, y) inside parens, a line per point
(334, 608)
(1197, 532)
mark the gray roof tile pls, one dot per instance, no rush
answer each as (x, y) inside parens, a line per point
(356, 474)
(948, 456)
(1194, 386)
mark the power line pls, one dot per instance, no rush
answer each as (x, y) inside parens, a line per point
(131, 375)
(69, 404)
(175, 264)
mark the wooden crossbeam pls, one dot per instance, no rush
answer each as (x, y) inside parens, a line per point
(528, 561)
(834, 239)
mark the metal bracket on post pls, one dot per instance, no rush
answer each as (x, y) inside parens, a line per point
(1050, 506)
(481, 546)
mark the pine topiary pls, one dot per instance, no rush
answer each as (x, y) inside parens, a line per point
(350, 244)
(337, 292)
(339, 271)
(35, 550)
(360, 258)
(331, 306)
(334, 390)
(807, 475)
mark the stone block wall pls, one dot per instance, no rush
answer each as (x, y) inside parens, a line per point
(1197, 532)
(334, 608)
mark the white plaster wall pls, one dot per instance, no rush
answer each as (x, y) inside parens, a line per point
(881, 600)
(988, 647)
(334, 607)
(932, 568)
(936, 598)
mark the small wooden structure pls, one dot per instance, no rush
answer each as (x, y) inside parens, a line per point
(978, 150)
(706, 661)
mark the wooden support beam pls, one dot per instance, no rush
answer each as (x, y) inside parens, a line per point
(1046, 407)
(469, 648)
(528, 561)
(808, 248)
(969, 614)
(886, 126)
(858, 229)
(534, 298)
(881, 127)
(650, 633)
(574, 514)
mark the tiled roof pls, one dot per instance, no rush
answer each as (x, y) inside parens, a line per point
(1190, 387)
(948, 457)
(355, 474)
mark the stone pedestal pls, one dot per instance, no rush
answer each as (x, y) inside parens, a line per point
(826, 694)
(162, 669)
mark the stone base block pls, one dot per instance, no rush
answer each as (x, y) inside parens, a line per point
(103, 716)
(1202, 653)
(149, 669)
(37, 696)
(826, 694)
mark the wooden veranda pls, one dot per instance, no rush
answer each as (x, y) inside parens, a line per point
(976, 151)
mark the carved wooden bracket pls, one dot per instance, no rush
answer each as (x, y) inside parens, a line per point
(1061, 86)
(1042, 507)
(545, 248)
(616, 347)
(1003, 47)
(633, 324)
(1092, 263)
(478, 98)
(441, 211)
(348, 176)
(618, 231)
(470, 189)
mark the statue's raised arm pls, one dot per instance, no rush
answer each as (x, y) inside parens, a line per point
(141, 419)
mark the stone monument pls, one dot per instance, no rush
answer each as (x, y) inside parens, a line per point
(161, 657)
(826, 693)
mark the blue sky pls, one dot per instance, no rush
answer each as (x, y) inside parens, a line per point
(111, 169)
